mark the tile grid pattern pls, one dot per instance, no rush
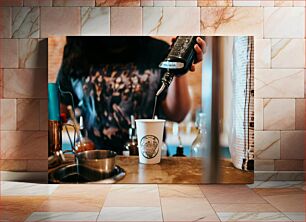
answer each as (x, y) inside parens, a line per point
(279, 28)
(156, 202)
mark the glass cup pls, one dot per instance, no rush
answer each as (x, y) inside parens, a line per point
(150, 139)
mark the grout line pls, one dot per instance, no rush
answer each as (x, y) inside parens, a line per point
(161, 208)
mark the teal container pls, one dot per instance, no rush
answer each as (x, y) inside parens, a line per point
(53, 102)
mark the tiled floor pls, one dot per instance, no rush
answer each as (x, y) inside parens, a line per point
(270, 201)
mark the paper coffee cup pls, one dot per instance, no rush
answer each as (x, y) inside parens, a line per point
(150, 138)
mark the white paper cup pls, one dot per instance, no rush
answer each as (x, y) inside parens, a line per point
(150, 137)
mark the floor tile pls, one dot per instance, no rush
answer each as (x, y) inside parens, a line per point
(189, 191)
(14, 208)
(130, 214)
(72, 204)
(253, 216)
(133, 196)
(263, 207)
(63, 216)
(230, 194)
(82, 190)
(187, 209)
(296, 216)
(9, 188)
(276, 184)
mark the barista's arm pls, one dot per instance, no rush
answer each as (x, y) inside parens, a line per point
(177, 102)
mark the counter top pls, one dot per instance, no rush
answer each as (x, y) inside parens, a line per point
(176, 170)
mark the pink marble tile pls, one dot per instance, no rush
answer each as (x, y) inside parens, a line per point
(230, 194)
(232, 20)
(54, 21)
(73, 2)
(280, 3)
(146, 2)
(13, 165)
(1, 83)
(8, 114)
(292, 145)
(258, 112)
(37, 165)
(118, 2)
(8, 53)
(267, 145)
(37, 2)
(263, 165)
(289, 165)
(262, 207)
(24, 145)
(159, 21)
(25, 22)
(279, 114)
(25, 83)
(33, 53)
(43, 116)
(300, 114)
(164, 3)
(4, 3)
(5, 22)
(215, 2)
(27, 114)
(126, 21)
(92, 191)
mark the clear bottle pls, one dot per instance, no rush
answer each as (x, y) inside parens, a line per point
(198, 145)
(84, 142)
(131, 146)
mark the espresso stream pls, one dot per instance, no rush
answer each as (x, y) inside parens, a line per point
(154, 109)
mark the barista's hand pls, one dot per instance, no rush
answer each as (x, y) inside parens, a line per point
(200, 50)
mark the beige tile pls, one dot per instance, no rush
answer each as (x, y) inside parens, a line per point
(188, 191)
(52, 17)
(263, 165)
(163, 3)
(232, 20)
(304, 83)
(276, 18)
(5, 22)
(25, 83)
(279, 114)
(8, 53)
(92, 191)
(55, 53)
(43, 114)
(37, 2)
(4, 3)
(258, 112)
(37, 165)
(215, 3)
(130, 214)
(299, 3)
(279, 83)
(295, 216)
(289, 165)
(279, 3)
(27, 114)
(283, 50)
(146, 2)
(95, 21)
(267, 3)
(128, 196)
(19, 208)
(159, 21)
(33, 53)
(292, 145)
(73, 2)
(187, 209)
(246, 3)
(1, 83)
(252, 216)
(262, 53)
(8, 119)
(267, 145)
(230, 194)
(263, 207)
(300, 114)
(25, 22)
(13, 165)
(24, 145)
(117, 2)
(186, 3)
(126, 21)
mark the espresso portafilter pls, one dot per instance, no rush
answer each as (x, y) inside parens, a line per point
(55, 153)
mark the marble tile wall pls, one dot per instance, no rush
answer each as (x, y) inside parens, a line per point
(280, 83)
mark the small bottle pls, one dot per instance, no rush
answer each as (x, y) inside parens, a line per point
(197, 147)
(180, 149)
(84, 142)
(131, 145)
